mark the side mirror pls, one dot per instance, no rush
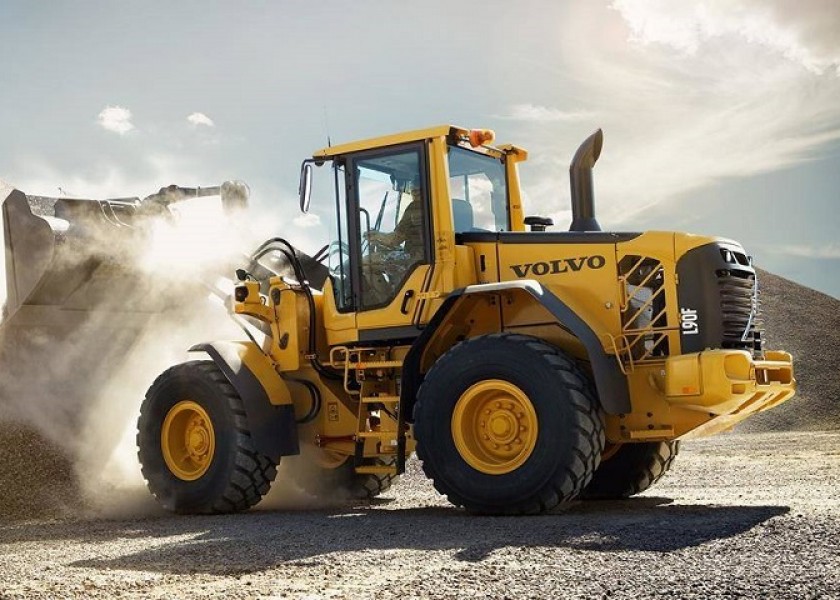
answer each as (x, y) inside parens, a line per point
(305, 187)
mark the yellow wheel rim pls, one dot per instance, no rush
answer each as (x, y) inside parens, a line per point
(187, 440)
(494, 427)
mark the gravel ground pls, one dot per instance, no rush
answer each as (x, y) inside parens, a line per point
(751, 515)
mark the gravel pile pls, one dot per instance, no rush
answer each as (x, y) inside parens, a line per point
(37, 479)
(805, 323)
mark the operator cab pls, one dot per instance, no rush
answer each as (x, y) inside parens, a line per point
(398, 211)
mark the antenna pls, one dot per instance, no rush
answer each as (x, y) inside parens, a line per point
(327, 127)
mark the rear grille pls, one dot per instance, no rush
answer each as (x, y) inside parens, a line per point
(739, 306)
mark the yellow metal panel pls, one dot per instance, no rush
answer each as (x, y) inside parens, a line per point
(683, 242)
(472, 315)
(340, 327)
(465, 266)
(291, 325)
(647, 435)
(656, 244)
(517, 217)
(443, 236)
(390, 140)
(516, 153)
(729, 381)
(732, 387)
(582, 275)
(263, 369)
(391, 315)
(486, 262)
(682, 376)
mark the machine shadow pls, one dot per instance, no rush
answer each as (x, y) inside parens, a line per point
(258, 541)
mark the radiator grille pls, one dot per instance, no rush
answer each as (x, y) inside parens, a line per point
(739, 306)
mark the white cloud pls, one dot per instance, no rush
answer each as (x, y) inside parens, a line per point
(532, 112)
(198, 119)
(826, 251)
(307, 221)
(806, 32)
(682, 108)
(116, 119)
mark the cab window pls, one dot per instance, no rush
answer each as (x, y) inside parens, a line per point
(392, 235)
(478, 189)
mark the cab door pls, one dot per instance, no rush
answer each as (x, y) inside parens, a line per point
(390, 238)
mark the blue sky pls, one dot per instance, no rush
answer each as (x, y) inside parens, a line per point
(719, 117)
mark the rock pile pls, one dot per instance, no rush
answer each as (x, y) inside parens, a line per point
(805, 323)
(37, 479)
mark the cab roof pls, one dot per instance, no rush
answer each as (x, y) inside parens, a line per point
(407, 137)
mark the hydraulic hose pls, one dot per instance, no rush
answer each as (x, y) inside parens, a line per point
(289, 252)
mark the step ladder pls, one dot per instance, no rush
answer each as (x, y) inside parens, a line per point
(372, 378)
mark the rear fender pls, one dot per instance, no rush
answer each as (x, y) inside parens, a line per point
(268, 403)
(610, 382)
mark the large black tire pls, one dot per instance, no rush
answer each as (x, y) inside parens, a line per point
(341, 482)
(237, 476)
(631, 470)
(568, 443)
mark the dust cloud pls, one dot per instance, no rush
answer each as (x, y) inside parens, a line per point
(70, 396)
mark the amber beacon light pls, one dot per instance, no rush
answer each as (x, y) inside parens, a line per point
(481, 136)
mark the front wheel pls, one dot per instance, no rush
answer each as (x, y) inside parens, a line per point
(194, 445)
(507, 424)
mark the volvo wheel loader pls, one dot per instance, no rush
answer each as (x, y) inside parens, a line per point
(526, 367)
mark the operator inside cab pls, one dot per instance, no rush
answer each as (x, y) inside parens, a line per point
(392, 254)
(409, 230)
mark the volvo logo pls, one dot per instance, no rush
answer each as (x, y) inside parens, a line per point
(559, 265)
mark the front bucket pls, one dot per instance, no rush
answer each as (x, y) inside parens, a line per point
(56, 267)
(77, 297)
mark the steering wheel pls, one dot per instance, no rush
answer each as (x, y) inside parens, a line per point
(338, 253)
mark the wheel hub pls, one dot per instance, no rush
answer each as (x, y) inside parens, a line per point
(494, 426)
(187, 440)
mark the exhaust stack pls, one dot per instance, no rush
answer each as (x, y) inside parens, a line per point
(580, 174)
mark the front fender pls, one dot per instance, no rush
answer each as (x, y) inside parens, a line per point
(268, 403)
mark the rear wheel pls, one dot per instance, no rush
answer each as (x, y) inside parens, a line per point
(506, 424)
(630, 469)
(194, 444)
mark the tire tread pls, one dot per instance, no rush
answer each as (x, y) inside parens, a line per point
(642, 465)
(252, 474)
(568, 482)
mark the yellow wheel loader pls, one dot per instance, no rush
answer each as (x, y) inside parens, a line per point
(526, 367)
